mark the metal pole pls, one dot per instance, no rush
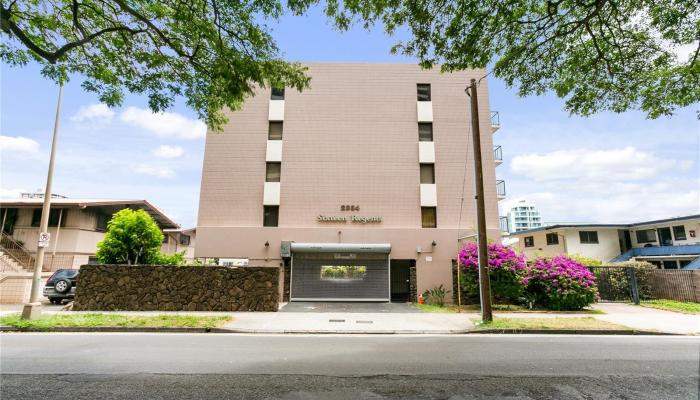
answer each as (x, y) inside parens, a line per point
(33, 308)
(484, 282)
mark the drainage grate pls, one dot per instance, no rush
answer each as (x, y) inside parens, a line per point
(336, 320)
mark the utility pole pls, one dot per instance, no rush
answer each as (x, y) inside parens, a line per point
(32, 309)
(484, 281)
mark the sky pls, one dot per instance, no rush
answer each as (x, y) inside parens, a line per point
(608, 168)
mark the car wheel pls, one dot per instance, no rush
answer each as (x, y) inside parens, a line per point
(62, 286)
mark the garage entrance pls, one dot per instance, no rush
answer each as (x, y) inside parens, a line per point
(340, 272)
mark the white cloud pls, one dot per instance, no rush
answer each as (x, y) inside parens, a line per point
(154, 170)
(616, 164)
(93, 113)
(19, 144)
(11, 193)
(166, 124)
(165, 151)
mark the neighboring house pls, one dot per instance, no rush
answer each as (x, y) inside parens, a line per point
(353, 186)
(669, 243)
(75, 225)
(523, 216)
(178, 241)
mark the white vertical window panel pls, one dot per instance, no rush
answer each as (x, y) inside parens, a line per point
(276, 112)
(425, 111)
(428, 195)
(271, 194)
(274, 151)
(426, 152)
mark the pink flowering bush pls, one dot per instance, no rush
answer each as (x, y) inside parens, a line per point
(507, 269)
(559, 283)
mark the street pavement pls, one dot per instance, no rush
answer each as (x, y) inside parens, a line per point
(215, 366)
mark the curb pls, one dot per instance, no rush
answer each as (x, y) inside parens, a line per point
(355, 332)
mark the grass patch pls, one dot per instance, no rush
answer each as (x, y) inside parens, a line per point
(112, 320)
(581, 324)
(673, 305)
(449, 308)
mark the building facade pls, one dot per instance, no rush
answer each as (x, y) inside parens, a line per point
(523, 216)
(669, 243)
(354, 186)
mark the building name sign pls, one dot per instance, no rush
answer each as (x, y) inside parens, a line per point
(358, 219)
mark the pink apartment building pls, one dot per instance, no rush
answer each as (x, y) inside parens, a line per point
(354, 187)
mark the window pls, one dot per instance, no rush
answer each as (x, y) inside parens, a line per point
(271, 215)
(272, 172)
(646, 236)
(9, 216)
(277, 94)
(275, 130)
(679, 232)
(92, 260)
(427, 173)
(102, 220)
(552, 238)
(425, 131)
(529, 241)
(184, 240)
(670, 264)
(588, 237)
(428, 217)
(423, 92)
(54, 216)
(166, 238)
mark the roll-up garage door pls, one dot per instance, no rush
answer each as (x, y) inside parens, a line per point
(327, 273)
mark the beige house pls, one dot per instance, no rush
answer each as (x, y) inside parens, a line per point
(669, 243)
(178, 241)
(75, 226)
(354, 186)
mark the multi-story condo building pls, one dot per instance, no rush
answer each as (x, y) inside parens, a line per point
(523, 216)
(668, 243)
(353, 188)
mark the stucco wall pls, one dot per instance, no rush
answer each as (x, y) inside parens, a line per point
(173, 288)
(607, 248)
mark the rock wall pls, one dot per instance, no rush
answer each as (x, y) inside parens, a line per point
(176, 288)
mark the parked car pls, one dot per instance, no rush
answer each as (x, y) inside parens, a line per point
(61, 285)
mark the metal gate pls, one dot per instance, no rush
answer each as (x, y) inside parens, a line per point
(616, 284)
(328, 275)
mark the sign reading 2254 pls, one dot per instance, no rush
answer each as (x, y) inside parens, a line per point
(350, 208)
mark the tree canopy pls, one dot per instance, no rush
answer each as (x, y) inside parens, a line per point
(132, 237)
(212, 52)
(597, 55)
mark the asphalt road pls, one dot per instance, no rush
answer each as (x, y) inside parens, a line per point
(217, 366)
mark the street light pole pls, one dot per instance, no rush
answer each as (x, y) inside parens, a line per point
(32, 309)
(482, 241)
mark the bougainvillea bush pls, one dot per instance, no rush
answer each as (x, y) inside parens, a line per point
(559, 283)
(507, 270)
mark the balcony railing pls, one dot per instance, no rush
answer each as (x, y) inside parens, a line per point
(498, 154)
(495, 121)
(501, 188)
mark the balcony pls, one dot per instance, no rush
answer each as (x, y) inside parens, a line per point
(495, 121)
(503, 222)
(498, 155)
(501, 189)
(660, 251)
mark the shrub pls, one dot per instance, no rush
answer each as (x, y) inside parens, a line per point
(506, 271)
(170, 259)
(618, 283)
(559, 283)
(587, 261)
(435, 296)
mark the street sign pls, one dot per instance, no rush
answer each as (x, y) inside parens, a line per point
(44, 238)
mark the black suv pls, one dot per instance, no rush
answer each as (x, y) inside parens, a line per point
(61, 285)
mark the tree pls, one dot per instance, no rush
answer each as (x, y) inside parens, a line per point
(598, 55)
(132, 237)
(212, 52)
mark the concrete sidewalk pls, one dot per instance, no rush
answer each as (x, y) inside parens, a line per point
(646, 318)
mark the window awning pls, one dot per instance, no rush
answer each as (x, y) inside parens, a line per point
(341, 248)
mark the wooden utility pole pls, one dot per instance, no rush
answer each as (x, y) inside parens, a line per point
(484, 282)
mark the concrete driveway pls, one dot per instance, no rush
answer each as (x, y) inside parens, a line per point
(646, 318)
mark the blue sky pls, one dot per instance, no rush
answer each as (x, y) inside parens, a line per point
(606, 168)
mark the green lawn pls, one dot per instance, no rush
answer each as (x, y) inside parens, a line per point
(448, 308)
(583, 323)
(113, 320)
(672, 305)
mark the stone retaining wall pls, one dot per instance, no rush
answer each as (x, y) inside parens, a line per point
(176, 288)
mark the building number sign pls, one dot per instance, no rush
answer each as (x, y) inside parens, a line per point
(350, 208)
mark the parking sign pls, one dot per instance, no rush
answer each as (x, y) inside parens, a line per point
(44, 238)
